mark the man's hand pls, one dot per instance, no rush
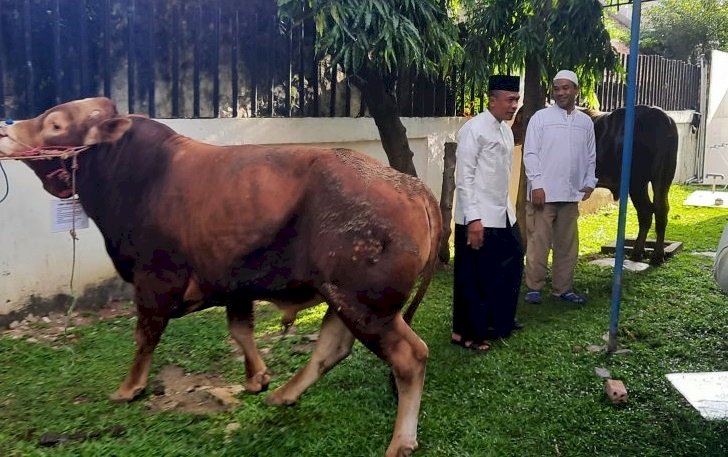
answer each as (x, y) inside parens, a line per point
(475, 234)
(538, 197)
(587, 192)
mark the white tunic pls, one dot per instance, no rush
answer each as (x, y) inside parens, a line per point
(560, 154)
(484, 157)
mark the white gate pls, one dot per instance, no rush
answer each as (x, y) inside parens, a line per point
(715, 167)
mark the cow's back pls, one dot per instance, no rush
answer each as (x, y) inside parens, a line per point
(273, 218)
(654, 156)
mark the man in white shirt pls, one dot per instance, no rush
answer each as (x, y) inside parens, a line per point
(488, 249)
(560, 160)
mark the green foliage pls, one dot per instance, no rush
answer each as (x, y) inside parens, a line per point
(560, 33)
(383, 35)
(685, 29)
(616, 30)
(534, 394)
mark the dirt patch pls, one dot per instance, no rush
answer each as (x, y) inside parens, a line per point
(57, 328)
(175, 390)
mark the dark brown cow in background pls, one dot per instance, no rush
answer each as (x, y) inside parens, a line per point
(654, 159)
(193, 225)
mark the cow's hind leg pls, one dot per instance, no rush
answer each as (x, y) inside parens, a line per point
(333, 345)
(662, 208)
(155, 297)
(241, 325)
(645, 209)
(391, 339)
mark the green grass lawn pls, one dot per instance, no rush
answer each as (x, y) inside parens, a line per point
(534, 394)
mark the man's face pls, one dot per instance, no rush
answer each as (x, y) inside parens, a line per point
(565, 92)
(503, 104)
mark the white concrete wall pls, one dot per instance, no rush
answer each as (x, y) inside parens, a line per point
(687, 151)
(35, 264)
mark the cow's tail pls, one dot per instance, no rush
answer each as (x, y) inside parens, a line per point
(434, 220)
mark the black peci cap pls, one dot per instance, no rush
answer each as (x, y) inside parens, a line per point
(502, 82)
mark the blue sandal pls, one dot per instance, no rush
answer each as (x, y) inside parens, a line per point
(572, 297)
(533, 297)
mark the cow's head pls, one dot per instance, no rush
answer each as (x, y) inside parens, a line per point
(86, 122)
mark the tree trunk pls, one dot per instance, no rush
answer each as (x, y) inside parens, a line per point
(534, 98)
(446, 200)
(382, 105)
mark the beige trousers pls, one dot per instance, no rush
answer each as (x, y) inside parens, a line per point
(553, 226)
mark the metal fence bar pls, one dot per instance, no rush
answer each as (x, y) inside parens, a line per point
(347, 99)
(107, 48)
(332, 98)
(272, 66)
(151, 59)
(301, 73)
(57, 72)
(316, 73)
(3, 60)
(131, 54)
(661, 82)
(83, 43)
(289, 85)
(29, 71)
(216, 68)
(234, 32)
(176, 43)
(196, 38)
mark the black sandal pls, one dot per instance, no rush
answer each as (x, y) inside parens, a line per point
(483, 346)
(461, 342)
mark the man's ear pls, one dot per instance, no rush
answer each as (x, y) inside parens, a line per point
(107, 131)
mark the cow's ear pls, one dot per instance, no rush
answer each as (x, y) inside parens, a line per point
(107, 131)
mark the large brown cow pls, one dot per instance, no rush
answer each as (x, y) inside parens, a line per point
(183, 221)
(654, 161)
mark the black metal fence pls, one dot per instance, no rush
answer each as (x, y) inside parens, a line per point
(177, 58)
(225, 58)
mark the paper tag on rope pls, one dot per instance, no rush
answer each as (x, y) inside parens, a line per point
(62, 215)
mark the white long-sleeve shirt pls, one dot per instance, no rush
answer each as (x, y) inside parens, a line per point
(484, 157)
(560, 154)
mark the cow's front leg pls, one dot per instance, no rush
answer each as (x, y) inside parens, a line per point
(148, 332)
(155, 298)
(241, 325)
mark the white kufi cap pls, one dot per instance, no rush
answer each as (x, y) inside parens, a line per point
(568, 75)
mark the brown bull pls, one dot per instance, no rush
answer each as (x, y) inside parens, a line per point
(193, 225)
(654, 161)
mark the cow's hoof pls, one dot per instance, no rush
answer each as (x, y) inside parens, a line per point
(401, 448)
(126, 395)
(657, 259)
(258, 383)
(276, 398)
(636, 257)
